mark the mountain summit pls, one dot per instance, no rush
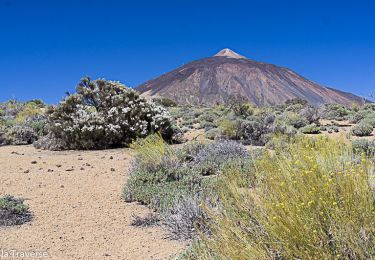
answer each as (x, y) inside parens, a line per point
(217, 79)
(229, 53)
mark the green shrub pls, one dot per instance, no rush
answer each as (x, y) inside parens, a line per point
(208, 125)
(157, 177)
(296, 101)
(297, 121)
(104, 114)
(358, 116)
(228, 128)
(280, 127)
(362, 129)
(369, 106)
(166, 102)
(333, 128)
(313, 200)
(20, 134)
(369, 119)
(310, 129)
(255, 130)
(208, 117)
(364, 146)
(13, 211)
(335, 112)
(311, 114)
(213, 133)
(239, 105)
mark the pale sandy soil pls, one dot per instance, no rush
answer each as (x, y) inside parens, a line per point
(79, 213)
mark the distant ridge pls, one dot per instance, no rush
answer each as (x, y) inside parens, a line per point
(227, 74)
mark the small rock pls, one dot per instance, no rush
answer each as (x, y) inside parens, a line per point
(34, 162)
(87, 164)
(82, 169)
(27, 171)
(50, 170)
(58, 165)
(113, 170)
(80, 159)
(111, 157)
(62, 186)
(69, 170)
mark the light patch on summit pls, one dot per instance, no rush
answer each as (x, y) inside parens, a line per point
(229, 53)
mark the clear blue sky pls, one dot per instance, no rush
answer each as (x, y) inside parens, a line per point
(47, 46)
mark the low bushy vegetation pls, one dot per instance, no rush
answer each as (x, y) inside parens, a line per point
(335, 112)
(21, 122)
(310, 129)
(313, 199)
(102, 114)
(13, 211)
(362, 129)
(174, 181)
(364, 146)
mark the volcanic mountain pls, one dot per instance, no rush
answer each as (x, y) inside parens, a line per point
(227, 75)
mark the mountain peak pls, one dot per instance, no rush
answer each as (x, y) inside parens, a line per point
(229, 53)
(228, 75)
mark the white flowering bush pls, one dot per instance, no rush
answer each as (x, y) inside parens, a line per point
(103, 114)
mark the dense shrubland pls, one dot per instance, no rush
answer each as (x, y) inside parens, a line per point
(258, 125)
(106, 114)
(13, 211)
(311, 199)
(174, 181)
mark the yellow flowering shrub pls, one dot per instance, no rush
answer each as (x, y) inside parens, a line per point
(313, 199)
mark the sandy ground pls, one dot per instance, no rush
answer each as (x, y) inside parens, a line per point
(75, 198)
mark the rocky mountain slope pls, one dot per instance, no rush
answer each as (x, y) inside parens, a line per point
(217, 79)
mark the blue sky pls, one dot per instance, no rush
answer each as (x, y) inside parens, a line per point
(47, 46)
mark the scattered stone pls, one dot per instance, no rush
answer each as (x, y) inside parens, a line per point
(58, 165)
(113, 170)
(17, 153)
(111, 157)
(50, 170)
(70, 170)
(82, 169)
(87, 164)
(27, 171)
(34, 162)
(62, 186)
(80, 159)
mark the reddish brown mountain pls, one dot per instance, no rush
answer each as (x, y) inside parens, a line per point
(216, 79)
